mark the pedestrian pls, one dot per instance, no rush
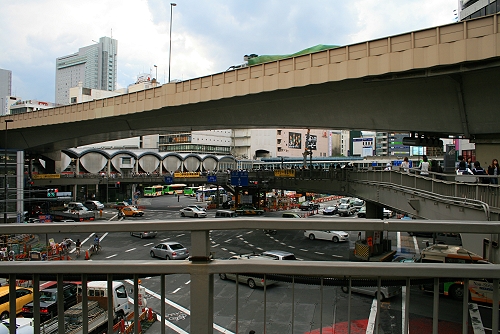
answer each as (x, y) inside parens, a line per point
(424, 166)
(470, 164)
(178, 197)
(463, 169)
(493, 170)
(478, 170)
(405, 165)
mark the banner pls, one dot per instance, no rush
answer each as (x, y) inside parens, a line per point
(284, 173)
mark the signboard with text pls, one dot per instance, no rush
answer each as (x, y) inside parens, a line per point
(239, 178)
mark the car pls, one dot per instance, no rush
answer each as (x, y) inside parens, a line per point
(169, 250)
(228, 204)
(346, 209)
(357, 203)
(279, 255)
(131, 211)
(48, 301)
(331, 210)
(362, 212)
(94, 205)
(335, 236)
(309, 206)
(225, 214)
(199, 207)
(142, 235)
(23, 297)
(251, 281)
(290, 215)
(385, 291)
(193, 212)
(249, 210)
(388, 213)
(120, 205)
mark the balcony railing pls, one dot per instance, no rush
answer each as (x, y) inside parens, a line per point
(202, 267)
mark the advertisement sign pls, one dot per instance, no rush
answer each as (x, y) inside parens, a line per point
(187, 174)
(294, 140)
(284, 172)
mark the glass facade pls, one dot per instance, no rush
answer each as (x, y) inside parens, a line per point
(195, 148)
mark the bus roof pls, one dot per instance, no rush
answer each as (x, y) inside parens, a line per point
(439, 252)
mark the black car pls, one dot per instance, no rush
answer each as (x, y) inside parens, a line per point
(48, 301)
(228, 204)
(331, 210)
(308, 206)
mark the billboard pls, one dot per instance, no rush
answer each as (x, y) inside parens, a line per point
(294, 140)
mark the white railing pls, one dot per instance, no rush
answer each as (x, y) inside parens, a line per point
(202, 266)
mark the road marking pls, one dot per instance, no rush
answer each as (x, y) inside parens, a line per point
(476, 321)
(217, 245)
(245, 241)
(224, 249)
(188, 282)
(232, 253)
(249, 232)
(176, 290)
(165, 239)
(250, 245)
(151, 243)
(129, 250)
(259, 248)
(181, 308)
(304, 250)
(228, 240)
(291, 246)
(283, 243)
(109, 257)
(277, 240)
(180, 235)
(373, 316)
(336, 255)
(319, 253)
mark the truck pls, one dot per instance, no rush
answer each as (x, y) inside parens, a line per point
(73, 211)
(97, 295)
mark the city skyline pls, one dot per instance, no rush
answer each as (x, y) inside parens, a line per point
(206, 38)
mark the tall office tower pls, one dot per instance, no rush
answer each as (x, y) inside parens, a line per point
(5, 89)
(93, 65)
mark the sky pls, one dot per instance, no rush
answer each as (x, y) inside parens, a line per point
(207, 36)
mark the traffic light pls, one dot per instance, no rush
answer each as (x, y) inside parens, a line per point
(52, 192)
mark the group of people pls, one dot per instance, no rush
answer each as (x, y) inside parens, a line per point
(474, 168)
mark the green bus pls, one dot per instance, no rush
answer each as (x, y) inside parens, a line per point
(190, 191)
(171, 189)
(153, 191)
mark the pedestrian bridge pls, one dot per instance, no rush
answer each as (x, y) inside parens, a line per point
(438, 81)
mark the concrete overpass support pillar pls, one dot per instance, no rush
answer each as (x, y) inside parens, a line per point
(374, 211)
(77, 166)
(374, 238)
(108, 168)
(202, 285)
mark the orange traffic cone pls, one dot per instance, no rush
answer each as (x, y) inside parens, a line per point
(87, 255)
(150, 314)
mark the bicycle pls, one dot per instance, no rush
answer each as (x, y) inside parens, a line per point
(95, 249)
(77, 251)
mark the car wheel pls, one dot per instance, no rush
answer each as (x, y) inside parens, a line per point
(251, 283)
(182, 214)
(167, 257)
(335, 239)
(152, 254)
(311, 236)
(195, 215)
(223, 277)
(457, 292)
(4, 316)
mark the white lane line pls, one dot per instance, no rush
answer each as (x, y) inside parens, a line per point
(398, 238)
(188, 282)
(109, 257)
(228, 240)
(250, 245)
(129, 250)
(151, 243)
(319, 253)
(260, 248)
(216, 245)
(212, 241)
(276, 240)
(239, 236)
(291, 247)
(249, 232)
(415, 242)
(336, 255)
(224, 249)
(232, 253)
(245, 241)
(304, 250)
(176, 290)
(476, 321)
(165, 239)
(371, 320)
(300, 259)
(180, 308)
(180, 235)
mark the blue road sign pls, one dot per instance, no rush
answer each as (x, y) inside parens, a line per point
(169, 180)
(212, 178)
(239, 179)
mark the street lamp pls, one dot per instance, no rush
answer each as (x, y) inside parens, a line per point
(156, 75)
(170, 46)
(7, 121)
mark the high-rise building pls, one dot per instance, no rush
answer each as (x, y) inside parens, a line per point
(5, 89)
(93, 65)
(470, 9)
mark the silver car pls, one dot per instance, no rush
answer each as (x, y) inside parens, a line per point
(169, 250)
(150, 234)
(334, 236)
(193, 212)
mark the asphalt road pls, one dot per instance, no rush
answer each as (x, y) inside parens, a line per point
(287, 308)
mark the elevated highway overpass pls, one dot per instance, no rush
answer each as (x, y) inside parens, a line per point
(439, 81)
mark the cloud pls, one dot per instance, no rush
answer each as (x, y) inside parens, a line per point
(207, 36)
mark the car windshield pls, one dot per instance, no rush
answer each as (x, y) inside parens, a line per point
(47, 296)
(176, 246)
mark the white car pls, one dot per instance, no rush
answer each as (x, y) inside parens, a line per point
(193, 212)
(335, 236)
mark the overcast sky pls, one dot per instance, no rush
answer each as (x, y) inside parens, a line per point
(207, 36)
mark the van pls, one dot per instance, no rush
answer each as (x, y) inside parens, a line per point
(449, 239)
(23, 296)
(385, 291)
(225, 214)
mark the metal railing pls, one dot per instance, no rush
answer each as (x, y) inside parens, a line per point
(202, 267)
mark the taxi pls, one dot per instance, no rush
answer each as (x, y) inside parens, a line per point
(131, 211)
(248, 210)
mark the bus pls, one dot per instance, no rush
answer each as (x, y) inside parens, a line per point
(153, 191)
(190, 191)
(480, 290)
(172, 189)
(209, 194)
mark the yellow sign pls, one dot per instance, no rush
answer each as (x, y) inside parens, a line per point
(187, 174)
(46, 176)
(284, 173)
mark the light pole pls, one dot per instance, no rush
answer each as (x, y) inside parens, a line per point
(170, 46)
(7, 121)
(156, 75)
